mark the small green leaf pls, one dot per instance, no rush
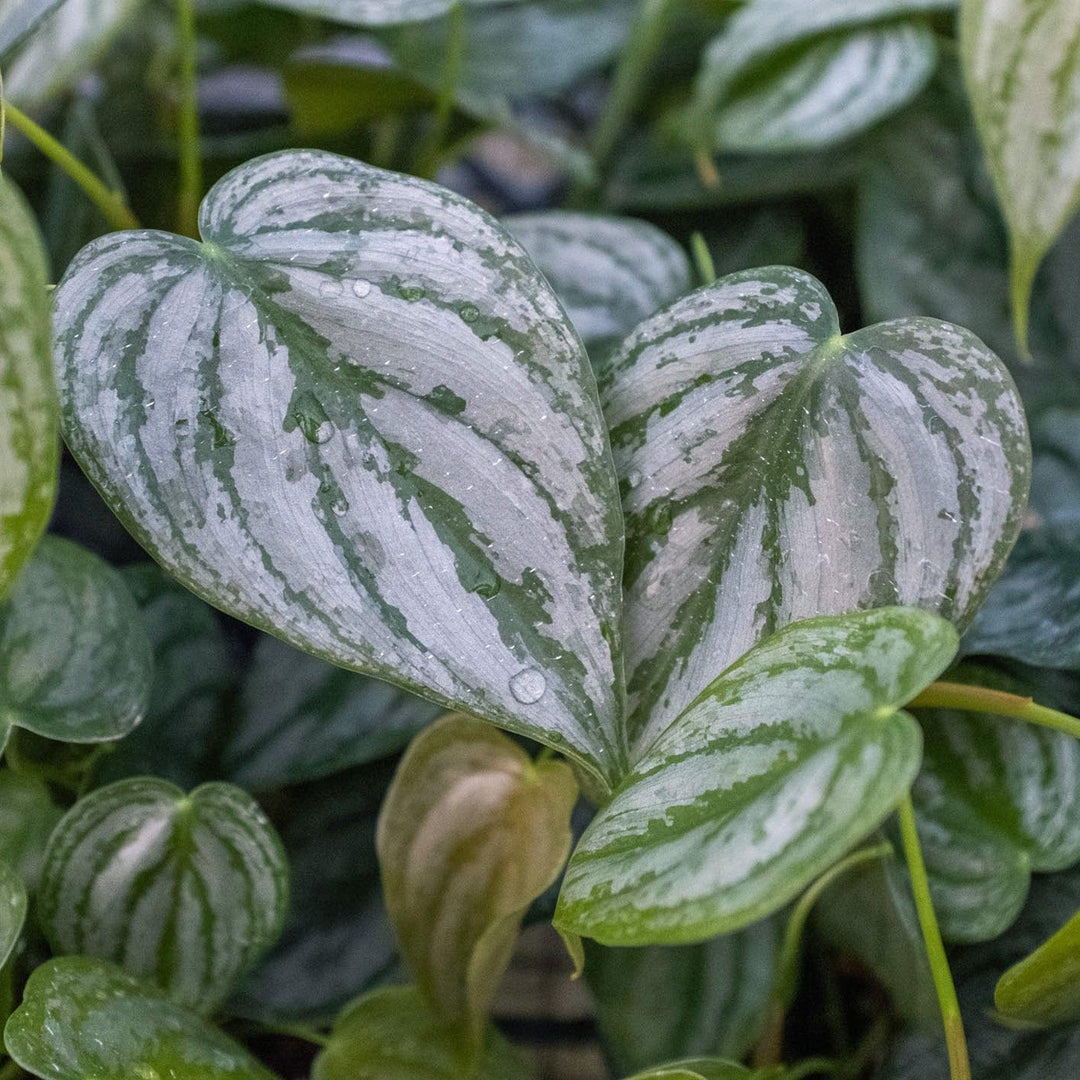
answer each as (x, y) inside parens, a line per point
(471, 832)
(666, 1002)
(29, 447)
(785, 762)
(27, 818)
(409, 347)
(75, 663)
(299, 718)
(82, 1017)
(787, 75)
(1044, 988)
(184, 890)
(775, 470)
(12, 909)
(609, 272)
(1022, 67)
(392, 1034)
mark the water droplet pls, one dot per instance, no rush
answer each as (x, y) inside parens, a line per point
(634, 480)
(658, 518)
(330, 288)
(361, 288)
(323, 433)
(469, 312)
(486, 583)
(412, 293)
(528, 686)
(307, 414)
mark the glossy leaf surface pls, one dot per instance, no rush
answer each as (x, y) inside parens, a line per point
(299, 718)
(776, 470)
(392, 1034)
(75, 663)
(407, 347)
(12, 909)
(83, 1017)
(27, 817)
(186, 891)
(609, 272)
(786, 761)
(1021, 62)
(470, 833)
(29, 447)
(1044, 988)
(379, 12)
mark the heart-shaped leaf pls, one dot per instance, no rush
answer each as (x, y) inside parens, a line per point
(392, 1034)
(27, 818)
(407, 347)
(776, 470)
(1022, 67)
(786, 761)
(29, 448)
(184, 890)
(609, 272)
(665, 1002)
(787, 75)
(62, 46)
(298, 718)
(82, 1017)
(12, 909)
(75, 663)
(471, 832)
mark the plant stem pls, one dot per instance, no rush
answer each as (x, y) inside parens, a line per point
(428, 155)
(703, 259)
(981, 699)
(770, 1046)
(294, 1031)
(959, 1068)
(191, 181)
(812, 1067)
(111, 203)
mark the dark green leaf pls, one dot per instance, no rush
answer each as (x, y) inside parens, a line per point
(1044, 988)
(27, 817)
(12, 909)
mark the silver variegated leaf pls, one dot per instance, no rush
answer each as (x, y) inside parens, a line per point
(82, 1017)
(357, 416)
(186, 891)
(1021, 61)
(775, 470)
(378, 12)
(787, 760)
(29, 447)
(609, 272)
(787, 75)
(75, 662)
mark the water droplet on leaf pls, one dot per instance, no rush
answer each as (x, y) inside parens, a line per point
(528, 686)
(361, 288)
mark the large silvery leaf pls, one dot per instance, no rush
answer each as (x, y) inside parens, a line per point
(786, 761)
(61, 47)
(12, 909)
(186, 891)
(83, 1017)
(609, 272)
(1021, 62)
(995, 800)
(29, 448)
(75, 662)
(379, 12)
(417, 485)
(471, 832)
(787, 75)
(665, 1002)
(298, 718)
(776, 470)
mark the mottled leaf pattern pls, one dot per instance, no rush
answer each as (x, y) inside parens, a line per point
(609, 272)
(471, 832)
(786, 761)
(775, 470)
(75, 662)
(82, 1017)
(357, 416)
(1021, 61)
(29, 448)
(378, 12)
(186, 891)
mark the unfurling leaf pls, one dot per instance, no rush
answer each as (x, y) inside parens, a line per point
(471, 832)
(186, 891)
(82, 1017)
(786, 761)
(776, 470)
(1021, 62)
(75, 662)
(29, 447)
(358, 374)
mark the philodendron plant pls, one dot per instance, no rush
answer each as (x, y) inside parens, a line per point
(715, 567)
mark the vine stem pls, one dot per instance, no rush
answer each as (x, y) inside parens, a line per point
(959, 1067)
(427, 156)
(769, 1049)
(981, 699)
(111, 203)
(703, 260)
(191, 180)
